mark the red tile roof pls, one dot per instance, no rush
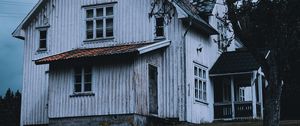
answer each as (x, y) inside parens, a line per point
(92, 52)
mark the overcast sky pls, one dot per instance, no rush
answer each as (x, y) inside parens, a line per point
(12, 13)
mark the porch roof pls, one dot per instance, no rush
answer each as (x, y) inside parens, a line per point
(136, 48)
(234, 62)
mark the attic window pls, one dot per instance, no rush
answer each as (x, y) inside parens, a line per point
(99, 22)
(159, 28)
(43, 40)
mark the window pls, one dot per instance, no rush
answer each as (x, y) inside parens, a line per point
(43, 40)
(200, 75)
(83, 80)
(99, 23)
(159, 28)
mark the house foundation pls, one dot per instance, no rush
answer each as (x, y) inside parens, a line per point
(113, 120)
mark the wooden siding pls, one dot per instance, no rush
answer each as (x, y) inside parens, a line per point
(111, 83)
(127, 94)
(66, 32)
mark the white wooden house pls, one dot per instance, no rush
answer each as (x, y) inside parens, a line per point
(102, 62)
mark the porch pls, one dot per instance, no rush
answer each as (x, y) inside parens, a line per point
(238, 87)
(238, 97)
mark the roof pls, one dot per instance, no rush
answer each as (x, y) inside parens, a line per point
(136, 48)
(18, 31)
(184, 4)
(194, 14)
(206, 6)
(234, 62)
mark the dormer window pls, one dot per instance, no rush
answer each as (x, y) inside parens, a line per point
(99, 23)
(160, 27)
(43, 40)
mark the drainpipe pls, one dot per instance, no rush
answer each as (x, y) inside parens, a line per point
(184, 64)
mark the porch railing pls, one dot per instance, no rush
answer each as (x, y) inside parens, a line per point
(241, 109)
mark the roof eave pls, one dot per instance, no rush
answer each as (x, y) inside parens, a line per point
(17, 33)
(232, 73)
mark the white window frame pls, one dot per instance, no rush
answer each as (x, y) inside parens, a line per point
(94, 19)
(83, 82)
(200, 83)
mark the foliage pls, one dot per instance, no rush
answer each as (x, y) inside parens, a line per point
(10, 108)
(272, 25)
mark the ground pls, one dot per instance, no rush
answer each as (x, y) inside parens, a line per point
(254, 123)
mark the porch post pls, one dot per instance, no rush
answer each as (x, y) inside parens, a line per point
(253, 94)
(260, 87)
(232, 96)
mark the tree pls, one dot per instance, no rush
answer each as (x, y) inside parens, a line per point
(10, 108)
(272, 25)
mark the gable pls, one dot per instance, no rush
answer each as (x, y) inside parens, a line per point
(18, 32)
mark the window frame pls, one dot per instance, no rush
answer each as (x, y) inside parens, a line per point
(44, 39)
(83, 82)
(104, 17)
(163, 27)
(200, 83)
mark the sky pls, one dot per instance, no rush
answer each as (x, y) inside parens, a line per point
(12, 13)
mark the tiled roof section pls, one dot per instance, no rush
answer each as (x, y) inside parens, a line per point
(93, 52)
(234, 62)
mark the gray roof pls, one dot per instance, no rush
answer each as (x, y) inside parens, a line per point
(194, 14)
(234, 62)
(206, 6)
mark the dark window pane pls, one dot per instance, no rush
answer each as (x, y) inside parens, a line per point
(159, 26)
(109, 27)
(43, 44)
(200, 73)
(89, 13)
(78, 79)
(43, 34)
(87, 87)
(204, 74)
(100, 12)
(89, 34)
(196, 93)
(195, 71)
(78, 71)
(109, 11)
(109, 32)
(99, 33)
(88, 78)
(204, 86)
(87, 70)
(89, 25)
(196, 83)
(99, 24)
(77, 88)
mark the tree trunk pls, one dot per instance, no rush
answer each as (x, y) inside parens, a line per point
(272, 96)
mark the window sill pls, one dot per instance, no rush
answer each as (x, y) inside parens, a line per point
(82, 95)
(160, 38)
(42, 50)
(200, 102)
(98, 39)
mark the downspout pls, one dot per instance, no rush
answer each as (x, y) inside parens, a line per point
(184, 64)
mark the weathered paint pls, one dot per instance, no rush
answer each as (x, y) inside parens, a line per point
(128, 93)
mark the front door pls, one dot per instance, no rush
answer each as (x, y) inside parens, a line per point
(153, 94)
